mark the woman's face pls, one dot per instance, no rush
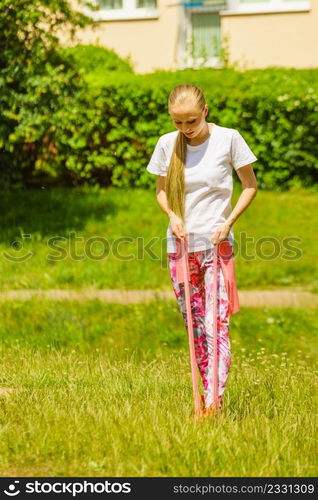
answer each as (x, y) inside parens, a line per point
(188, 118)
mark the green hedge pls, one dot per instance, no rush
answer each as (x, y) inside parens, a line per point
(106, 134)
(274, 109)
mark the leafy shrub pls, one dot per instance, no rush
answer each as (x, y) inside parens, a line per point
(274, 109)
(92, 58)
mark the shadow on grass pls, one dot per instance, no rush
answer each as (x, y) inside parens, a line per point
(50, 211)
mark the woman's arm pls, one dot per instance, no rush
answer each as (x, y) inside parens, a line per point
(175, 221)
(249, 190)
(161, 195)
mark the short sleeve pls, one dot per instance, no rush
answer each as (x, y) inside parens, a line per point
(158, 161)
(241, 154)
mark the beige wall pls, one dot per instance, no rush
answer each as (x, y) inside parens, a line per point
(152, 43)
(255, 40)
(280, 39)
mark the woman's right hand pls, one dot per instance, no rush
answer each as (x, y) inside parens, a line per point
(176, 225)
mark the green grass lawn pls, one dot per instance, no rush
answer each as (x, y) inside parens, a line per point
(105, 390)
(112, 238)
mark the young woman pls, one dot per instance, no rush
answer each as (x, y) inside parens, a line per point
(194, 188)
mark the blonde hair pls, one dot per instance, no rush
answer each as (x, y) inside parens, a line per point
(175, 183)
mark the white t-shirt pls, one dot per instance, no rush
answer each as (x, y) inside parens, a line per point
(208, 182)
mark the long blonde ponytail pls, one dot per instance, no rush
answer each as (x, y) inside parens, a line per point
(175, 180)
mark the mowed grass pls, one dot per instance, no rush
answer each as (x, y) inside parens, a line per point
(116, 238)
(105, 390)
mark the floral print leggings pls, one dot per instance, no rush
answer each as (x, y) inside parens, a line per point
(201, 295)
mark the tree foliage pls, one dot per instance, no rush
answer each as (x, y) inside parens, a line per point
(36, 81)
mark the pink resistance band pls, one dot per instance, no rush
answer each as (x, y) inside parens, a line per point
(183, 276)
(225, 252)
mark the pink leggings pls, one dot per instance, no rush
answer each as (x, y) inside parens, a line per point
(201, 292)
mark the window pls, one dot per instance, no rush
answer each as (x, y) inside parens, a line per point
(206, 34)
(115, 10)
(141, 4)
(118, 4)
(111, 4)
(200, 38)
(255, 6)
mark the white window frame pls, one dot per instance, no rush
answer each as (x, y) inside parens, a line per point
(235, 7)
(128, 11)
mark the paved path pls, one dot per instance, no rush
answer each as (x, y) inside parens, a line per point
(248, 298)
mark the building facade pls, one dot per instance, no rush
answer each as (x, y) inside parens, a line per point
(174, 34)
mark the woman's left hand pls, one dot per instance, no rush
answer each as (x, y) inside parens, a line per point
(221, 233)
